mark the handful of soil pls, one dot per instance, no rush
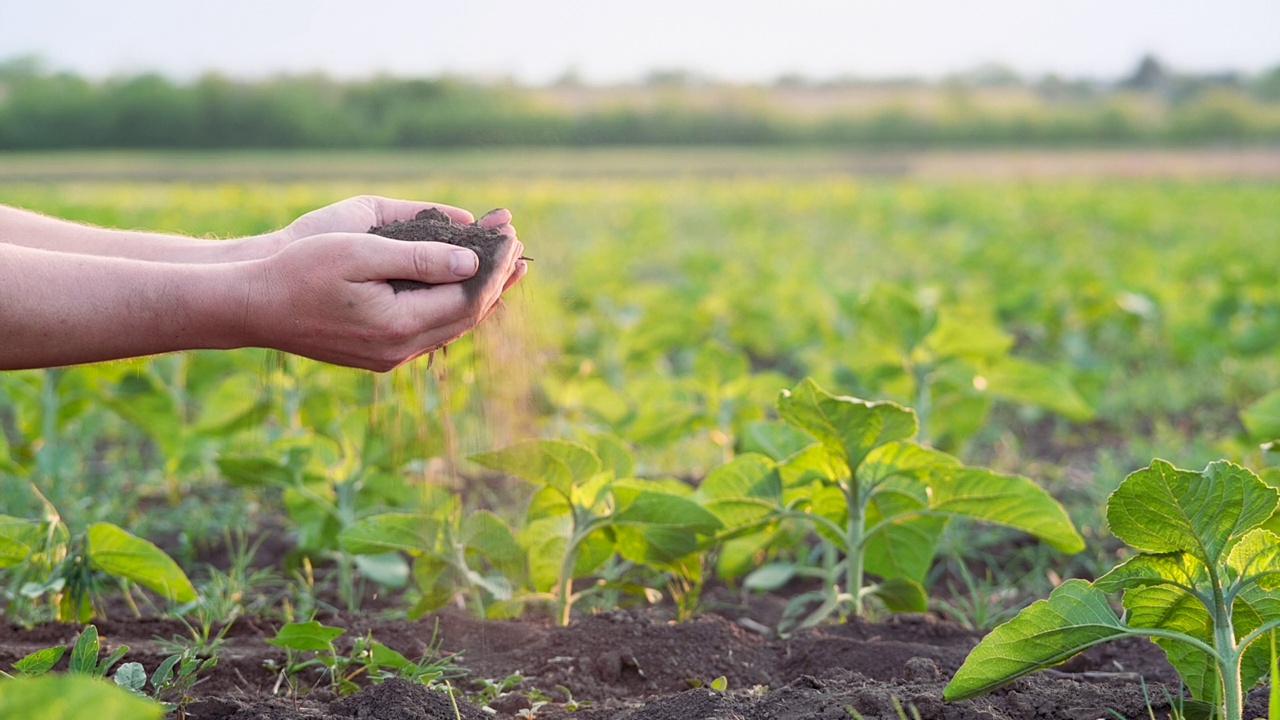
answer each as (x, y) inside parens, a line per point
(432, 225)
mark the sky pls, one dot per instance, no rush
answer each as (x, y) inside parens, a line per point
(537, 41)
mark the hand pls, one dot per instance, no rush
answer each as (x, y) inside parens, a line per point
(325, 296)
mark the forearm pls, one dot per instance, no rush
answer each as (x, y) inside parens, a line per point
(60, 308)
(33, 230)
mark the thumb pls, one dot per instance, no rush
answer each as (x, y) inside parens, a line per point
(428, 262)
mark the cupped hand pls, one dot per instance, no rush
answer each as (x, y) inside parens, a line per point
(326, 296)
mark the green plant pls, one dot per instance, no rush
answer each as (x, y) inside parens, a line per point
(174, 677)
(949, 362)
(1204, 585)
(313, 637)
(432, 669)
(587, 508)
(70, 568)
(72, 697)
(877, 500)
(472, 553)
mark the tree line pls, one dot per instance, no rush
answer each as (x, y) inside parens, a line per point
(42, 110)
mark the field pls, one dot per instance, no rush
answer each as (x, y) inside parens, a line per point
(1062, 318)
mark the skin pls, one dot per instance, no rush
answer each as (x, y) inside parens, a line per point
(72, 294)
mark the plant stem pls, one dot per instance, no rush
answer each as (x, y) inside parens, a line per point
(853, 543)
(1228, 653)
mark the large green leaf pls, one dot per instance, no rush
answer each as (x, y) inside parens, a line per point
(405, 532)
(117, 552)
(309, 635)
(1075, 617)
(1009, 500)
(1256, 558)
(742, 492)
(558, 464)
(901, 459)
(904, 545)
(1171, 608)
(1175, 568)
(72, 697)
(19, 538)
(485, 533)
(1023, 381)
(546, 541)
(657, 527)
(966, 332)
(1163, 509)
(848, 426)
(1262, 419)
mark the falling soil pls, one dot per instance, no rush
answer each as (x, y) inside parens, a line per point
(641, 665)
(432, 225)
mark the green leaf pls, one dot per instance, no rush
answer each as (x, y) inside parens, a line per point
(306, 636)
(1075, 617)
(903, 547)
(131, 676)
(19, 538)
(234, 404)
(406, 532)
(256, 471)
(1023, 381)
(1176, 568)
(485, 533)
(1256, 558)
(556, 463)
(966, 332)
(615, 456)
(116, 552)
(776, 440)
(1171, 608)
(1262, 419)
(770, 576)
(164, 672)
(1010, 500)
(741, 492)
(1163, 509)
(657, 527)
(848, 426)
(84, 655)
(384, 657)
(72, 697)
(387, 569)
(40, 661)
(901, 595)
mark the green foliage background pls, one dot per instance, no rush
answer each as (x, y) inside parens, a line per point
(670, 311)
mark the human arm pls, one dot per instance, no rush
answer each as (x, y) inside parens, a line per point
(356, 215)
(322, 296)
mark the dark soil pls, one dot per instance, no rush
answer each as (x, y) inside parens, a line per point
(639, 664)
(432, 225)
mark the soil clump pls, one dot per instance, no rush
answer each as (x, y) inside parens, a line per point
(432, 225)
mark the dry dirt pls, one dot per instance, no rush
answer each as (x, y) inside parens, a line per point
(638, 664)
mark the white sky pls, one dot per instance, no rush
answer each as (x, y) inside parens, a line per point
(538, 40)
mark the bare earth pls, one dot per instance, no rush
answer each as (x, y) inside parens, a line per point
(638, 664)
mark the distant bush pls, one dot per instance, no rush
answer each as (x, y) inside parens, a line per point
(43, 110)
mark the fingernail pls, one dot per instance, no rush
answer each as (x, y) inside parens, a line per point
(463, 263)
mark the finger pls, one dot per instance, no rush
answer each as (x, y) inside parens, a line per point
(522, 269)
(379, 258)
(495, 218)
(388, 210)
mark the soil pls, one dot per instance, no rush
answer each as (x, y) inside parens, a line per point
(432, 225)
(641, 664)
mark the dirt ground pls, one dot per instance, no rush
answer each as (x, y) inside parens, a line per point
(638, 664)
